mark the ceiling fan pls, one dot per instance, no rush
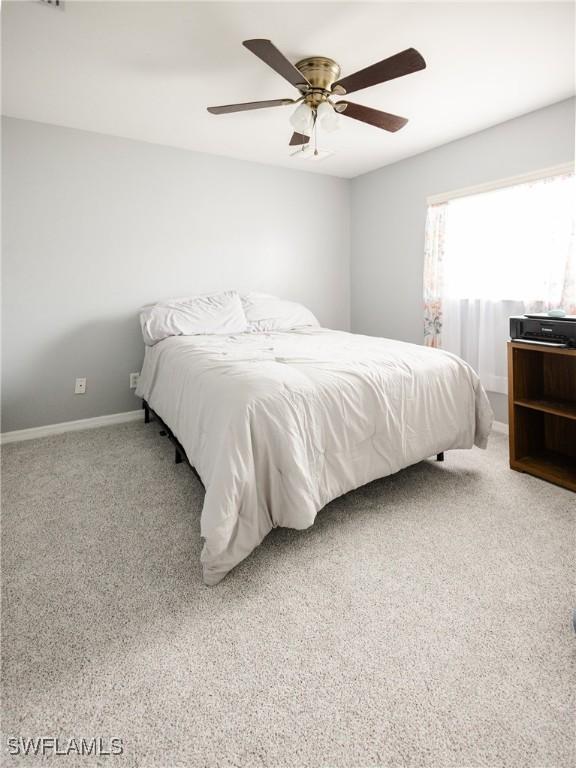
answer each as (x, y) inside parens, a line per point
(318, 80)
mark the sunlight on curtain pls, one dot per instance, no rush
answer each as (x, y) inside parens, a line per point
(433, 274)
(495, 254)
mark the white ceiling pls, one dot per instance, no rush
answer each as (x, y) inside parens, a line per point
(148, 70)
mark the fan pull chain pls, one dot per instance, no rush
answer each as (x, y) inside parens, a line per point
(315, 128)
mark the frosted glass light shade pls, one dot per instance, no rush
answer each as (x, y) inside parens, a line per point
(302, 119)
(328, 116)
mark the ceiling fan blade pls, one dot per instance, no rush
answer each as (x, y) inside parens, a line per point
(267, 51)
(298, 139)
(226, 108)
(400, 64)
(372, 116)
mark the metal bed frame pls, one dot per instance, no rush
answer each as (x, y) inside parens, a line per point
(180, 453)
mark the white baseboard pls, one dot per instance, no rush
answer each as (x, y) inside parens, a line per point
(113, 418)
(501, 427)
(70, 426)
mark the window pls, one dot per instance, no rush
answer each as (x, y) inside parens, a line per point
(495, 253)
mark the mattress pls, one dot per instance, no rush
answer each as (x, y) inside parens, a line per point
(279, 424)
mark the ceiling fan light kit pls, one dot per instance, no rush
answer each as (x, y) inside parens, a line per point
(317, 78)
(302, 119)
(327, 116)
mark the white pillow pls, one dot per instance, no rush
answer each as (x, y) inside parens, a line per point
(269, 313)
(218, 313)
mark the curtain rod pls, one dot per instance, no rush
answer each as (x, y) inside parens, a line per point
(543, 173)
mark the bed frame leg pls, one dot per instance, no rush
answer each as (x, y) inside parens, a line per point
(440, 456)
(177, 456)
(146, 412)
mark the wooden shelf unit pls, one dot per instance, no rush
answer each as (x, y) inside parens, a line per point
(542, 411)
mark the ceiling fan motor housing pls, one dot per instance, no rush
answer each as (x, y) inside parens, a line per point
(321, 73)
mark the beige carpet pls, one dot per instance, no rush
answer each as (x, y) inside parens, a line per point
(425, 620)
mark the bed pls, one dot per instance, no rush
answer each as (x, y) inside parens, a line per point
(277, 424)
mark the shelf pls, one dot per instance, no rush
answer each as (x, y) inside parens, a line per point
(542, 400)
(550, 465)
(569, 351)
(563, 408)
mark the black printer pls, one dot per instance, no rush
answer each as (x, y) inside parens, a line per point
(543, 329)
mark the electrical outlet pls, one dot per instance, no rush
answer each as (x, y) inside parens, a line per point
(134, 380)
(80, 387)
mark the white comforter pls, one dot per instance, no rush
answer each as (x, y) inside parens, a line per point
(279, 424)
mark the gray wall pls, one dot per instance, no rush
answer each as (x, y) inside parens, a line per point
(389, 214)
(95, 226)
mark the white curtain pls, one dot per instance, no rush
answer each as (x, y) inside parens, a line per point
(496, 254)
